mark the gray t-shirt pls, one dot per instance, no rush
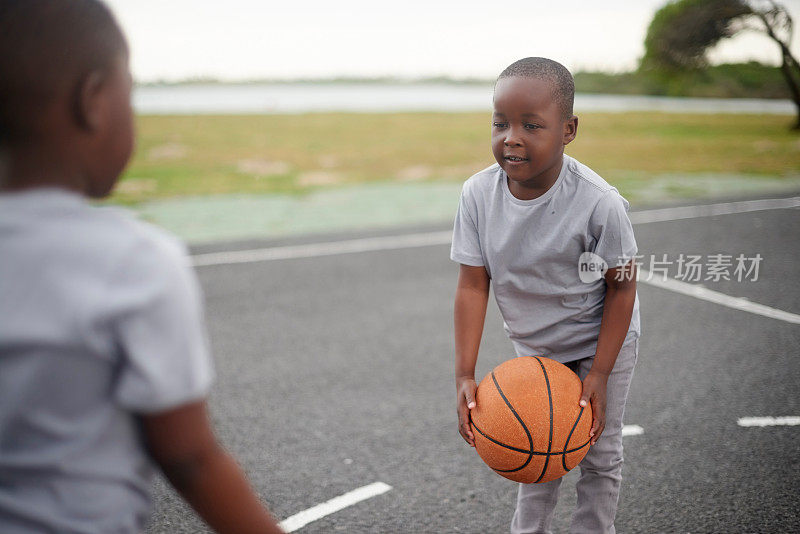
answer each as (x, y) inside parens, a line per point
(100, 319)
(531, 250)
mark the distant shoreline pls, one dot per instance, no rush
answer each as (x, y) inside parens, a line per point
(253, 98)
(737, 80)
(317, 81)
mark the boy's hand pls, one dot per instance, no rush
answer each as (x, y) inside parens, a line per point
(594, 392)
(466, 386)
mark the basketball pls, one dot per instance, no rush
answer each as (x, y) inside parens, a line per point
(527, 422)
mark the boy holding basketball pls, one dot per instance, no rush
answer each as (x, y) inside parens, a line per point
(525, 224)
(104, 367)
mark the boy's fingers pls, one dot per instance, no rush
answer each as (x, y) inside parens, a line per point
(466, 433)
(470, 401)
(598, 421)
(467, 428)
(599, 432)
(598, 416)
(469, 438)
(598, 413)
(465, 404)
(469, 396)
(585, 398)
(463, 426)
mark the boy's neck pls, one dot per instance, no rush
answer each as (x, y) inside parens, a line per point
(530, 189)
(27, 168)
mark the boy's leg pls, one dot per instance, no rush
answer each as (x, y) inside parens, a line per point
(535, 506)
(601, 470)
(536, 503)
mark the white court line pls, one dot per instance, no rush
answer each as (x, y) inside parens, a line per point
(332, 248)
(632, 430)
(443, 237)
(789, 420)
(716, 297)
(396, 242)
(711, 210)
(299, 520)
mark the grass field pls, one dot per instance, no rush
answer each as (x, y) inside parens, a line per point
(211, 155)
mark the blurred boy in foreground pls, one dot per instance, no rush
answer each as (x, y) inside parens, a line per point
(104, 366)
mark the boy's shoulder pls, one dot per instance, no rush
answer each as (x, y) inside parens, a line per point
(134, 244)
(586, 184)
(482, 180)
(141, 234)
(586, 177)
(79, 233)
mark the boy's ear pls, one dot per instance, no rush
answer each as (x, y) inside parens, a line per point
(570, 129)
(88, 104)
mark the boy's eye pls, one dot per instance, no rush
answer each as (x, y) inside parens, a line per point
(532, 126)
(499, 124)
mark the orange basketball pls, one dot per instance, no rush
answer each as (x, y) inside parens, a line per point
(527, 422)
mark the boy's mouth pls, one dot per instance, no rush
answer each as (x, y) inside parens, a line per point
(515, 159)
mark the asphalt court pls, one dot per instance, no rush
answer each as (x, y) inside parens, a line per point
(335, 373)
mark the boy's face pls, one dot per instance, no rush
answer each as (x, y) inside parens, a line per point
(529, 131)
(115, 136)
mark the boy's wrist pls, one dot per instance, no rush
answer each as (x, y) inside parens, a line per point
(600, 371)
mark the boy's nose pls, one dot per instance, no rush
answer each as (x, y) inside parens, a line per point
(512, 137)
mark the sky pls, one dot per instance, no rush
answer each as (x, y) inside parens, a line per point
(247, 39)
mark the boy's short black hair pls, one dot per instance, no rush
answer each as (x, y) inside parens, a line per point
(553, 72)
(47, 47)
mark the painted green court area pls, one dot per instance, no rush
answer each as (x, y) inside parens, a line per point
(210, 178)
(200, 219)
(215, 218)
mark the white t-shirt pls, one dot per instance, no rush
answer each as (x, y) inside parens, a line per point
(100, 319)
(531, 251)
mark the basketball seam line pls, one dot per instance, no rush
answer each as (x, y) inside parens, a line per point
(523, 451)
(569, 437)
(550, 440)
(521, 422)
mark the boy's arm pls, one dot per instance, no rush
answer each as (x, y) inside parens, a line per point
(472, 295)
(183, 444)
(617, 311)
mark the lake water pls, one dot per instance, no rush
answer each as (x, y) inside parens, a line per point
(387, 97)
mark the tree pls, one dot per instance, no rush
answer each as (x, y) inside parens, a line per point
(682, 32)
